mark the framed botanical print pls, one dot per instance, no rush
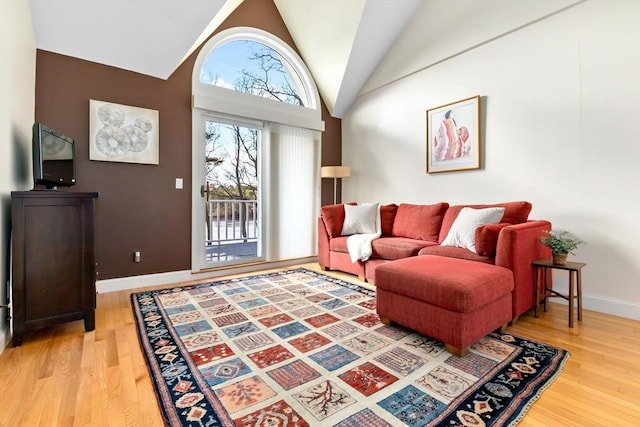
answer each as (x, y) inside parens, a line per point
(453, 136)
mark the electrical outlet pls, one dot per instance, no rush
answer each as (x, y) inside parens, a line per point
(136, 256)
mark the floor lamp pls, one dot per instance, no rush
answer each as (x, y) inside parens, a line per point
(335, 172)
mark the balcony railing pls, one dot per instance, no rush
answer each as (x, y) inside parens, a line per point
(231, 221)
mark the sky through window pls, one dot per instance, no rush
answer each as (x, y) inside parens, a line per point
(251, 67)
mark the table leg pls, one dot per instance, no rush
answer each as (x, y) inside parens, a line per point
(544, 288)
(579, 273)
(537, 292)
(571, 298)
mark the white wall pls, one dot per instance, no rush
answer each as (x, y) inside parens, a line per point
(17, 95)
(561, 119)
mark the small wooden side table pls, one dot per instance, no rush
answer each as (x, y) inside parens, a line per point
(574, 269)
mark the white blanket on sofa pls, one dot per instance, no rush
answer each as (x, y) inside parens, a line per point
(359, 245)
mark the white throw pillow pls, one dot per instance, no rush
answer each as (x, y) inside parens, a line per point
(463, 230)
(360, 219)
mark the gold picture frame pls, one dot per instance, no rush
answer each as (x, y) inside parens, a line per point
(453, 136)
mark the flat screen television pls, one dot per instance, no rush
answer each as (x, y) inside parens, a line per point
(53, 158)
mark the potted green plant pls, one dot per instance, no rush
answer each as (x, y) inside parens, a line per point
(561, 244)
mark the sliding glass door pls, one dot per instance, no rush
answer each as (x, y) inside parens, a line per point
(228, 213)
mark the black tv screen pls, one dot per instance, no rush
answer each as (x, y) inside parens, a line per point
(53, 158)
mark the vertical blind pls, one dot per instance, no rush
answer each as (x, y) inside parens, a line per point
(293, 192)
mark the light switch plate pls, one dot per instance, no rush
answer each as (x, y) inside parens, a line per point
(179, 184)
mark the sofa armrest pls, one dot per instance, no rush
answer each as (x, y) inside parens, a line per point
(323, 245)
(518, 246)
(333, 217)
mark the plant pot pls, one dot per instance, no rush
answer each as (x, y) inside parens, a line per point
(560, 259)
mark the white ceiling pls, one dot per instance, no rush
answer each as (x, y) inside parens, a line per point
(341, 41)
(351, 47)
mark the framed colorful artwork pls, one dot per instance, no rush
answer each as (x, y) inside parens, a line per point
(453, 136)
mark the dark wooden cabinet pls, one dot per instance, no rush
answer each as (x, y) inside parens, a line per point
(53, 267)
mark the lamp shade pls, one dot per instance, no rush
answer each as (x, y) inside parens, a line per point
(335, 171)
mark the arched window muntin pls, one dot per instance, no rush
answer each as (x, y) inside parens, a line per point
(228, 101)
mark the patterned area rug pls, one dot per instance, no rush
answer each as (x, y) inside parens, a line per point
(299, 348)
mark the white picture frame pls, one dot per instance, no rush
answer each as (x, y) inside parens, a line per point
(123, 133)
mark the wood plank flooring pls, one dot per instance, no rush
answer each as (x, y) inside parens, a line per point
(63, 376)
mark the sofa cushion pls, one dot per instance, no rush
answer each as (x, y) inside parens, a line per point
(333, 217)
(455, 252)
(463, 231)
(487, 238)
(420, 222)
(338, 244)
(387, 216)
(360, 219)
(397, 247)
(514, 213)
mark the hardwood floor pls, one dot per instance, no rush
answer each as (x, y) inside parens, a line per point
(62, 376)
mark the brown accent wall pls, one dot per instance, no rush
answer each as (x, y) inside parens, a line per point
(139, 207)
(331, 154)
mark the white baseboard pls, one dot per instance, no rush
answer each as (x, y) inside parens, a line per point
(133, 282)
(5, 337)
(606, 305)
(611, 306)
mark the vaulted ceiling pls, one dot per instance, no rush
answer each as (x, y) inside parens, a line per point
(350, 46)
(340, 41)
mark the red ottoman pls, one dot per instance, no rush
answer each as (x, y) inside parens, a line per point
(452, 300)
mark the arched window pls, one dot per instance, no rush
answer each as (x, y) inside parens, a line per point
(250, 73)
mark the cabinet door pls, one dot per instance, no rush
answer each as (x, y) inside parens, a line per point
(53, 254)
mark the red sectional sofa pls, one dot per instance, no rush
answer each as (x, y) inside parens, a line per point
(413, 230)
